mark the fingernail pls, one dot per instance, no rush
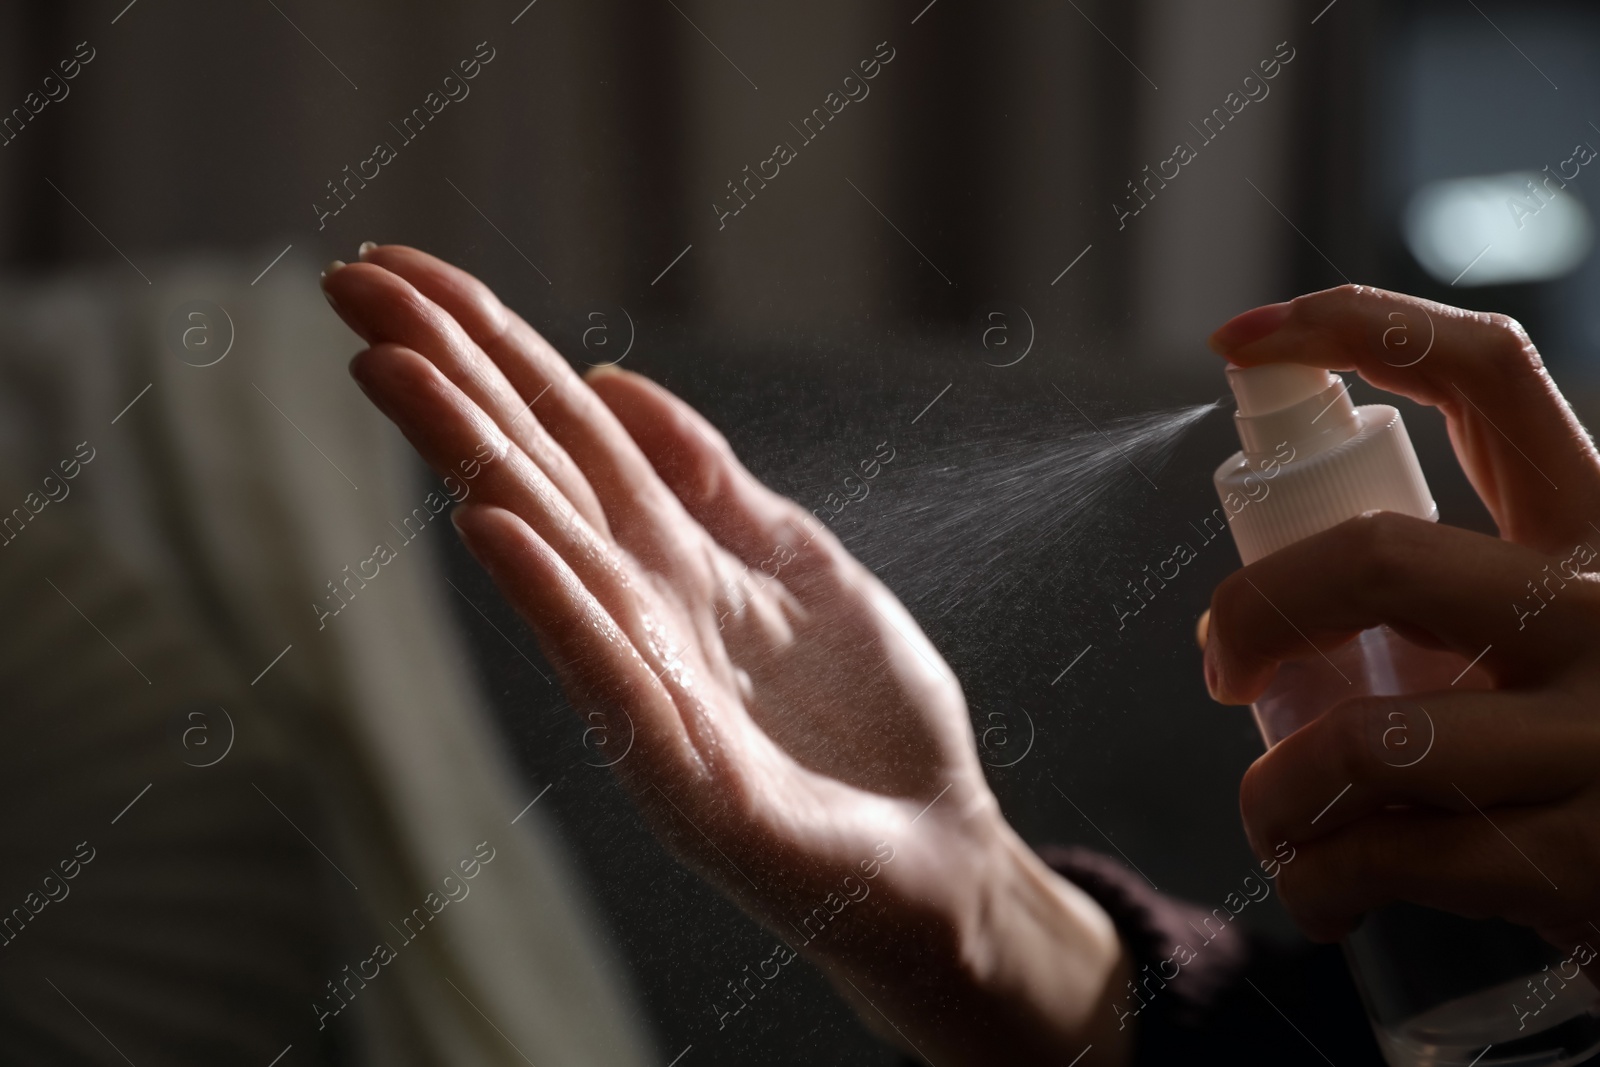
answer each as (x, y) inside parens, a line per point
(331, 268)
(1202, 629)
(1251, 326)
(1211, 678)
(366, 246)
(600, 371)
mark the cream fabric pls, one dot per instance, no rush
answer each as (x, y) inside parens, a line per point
(201, 534)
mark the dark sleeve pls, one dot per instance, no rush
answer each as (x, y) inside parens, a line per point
(1206, 991)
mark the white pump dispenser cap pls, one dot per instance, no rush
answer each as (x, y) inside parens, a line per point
(1311, 459)
(1275, 386)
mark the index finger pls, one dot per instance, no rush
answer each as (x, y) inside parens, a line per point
(1436, 584)
(1518, 440)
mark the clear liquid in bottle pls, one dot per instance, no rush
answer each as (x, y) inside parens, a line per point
(1440, 990)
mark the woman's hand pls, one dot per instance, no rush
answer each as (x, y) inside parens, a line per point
(1501, 817)
(795, 736)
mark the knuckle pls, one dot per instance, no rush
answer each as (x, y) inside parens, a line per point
(1379, 544)
(1293, 882)
(1255, 792)
(1228, 606)
(1341, 294)
(1509, 346)
(1507, 329)
(1337, 301)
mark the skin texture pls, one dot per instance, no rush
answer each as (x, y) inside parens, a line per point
(796, 738)
(1502, 817)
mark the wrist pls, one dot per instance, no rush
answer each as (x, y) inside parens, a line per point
(1048, 960)
(1010, 963)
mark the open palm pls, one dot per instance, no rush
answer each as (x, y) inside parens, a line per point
(794, 734)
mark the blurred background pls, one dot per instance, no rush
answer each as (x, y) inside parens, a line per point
(964, 257)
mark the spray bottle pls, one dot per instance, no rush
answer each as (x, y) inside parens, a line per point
(1441, 991)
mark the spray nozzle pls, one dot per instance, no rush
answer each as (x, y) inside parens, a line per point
(1311, 459)
(1275, 386)
(1286, 405)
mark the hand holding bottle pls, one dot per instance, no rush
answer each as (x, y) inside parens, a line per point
(1501, 817)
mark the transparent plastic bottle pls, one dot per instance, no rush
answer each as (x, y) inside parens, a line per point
(1440, 990)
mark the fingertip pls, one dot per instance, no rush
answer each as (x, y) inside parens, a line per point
(482, 529)
(617, 387)
(520, 561)
(680, 444)
(691, 455)
(366, 367)
(1221, 685)
(629, 395)
(625, 391)
(602, 371)
(418, 398)
(357, 367)
(365, 296)
(370, 365)
(1230, 682)
(1249, 327)
(489, 529)
(473, 521)
(1211, 658)
(467, 299)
